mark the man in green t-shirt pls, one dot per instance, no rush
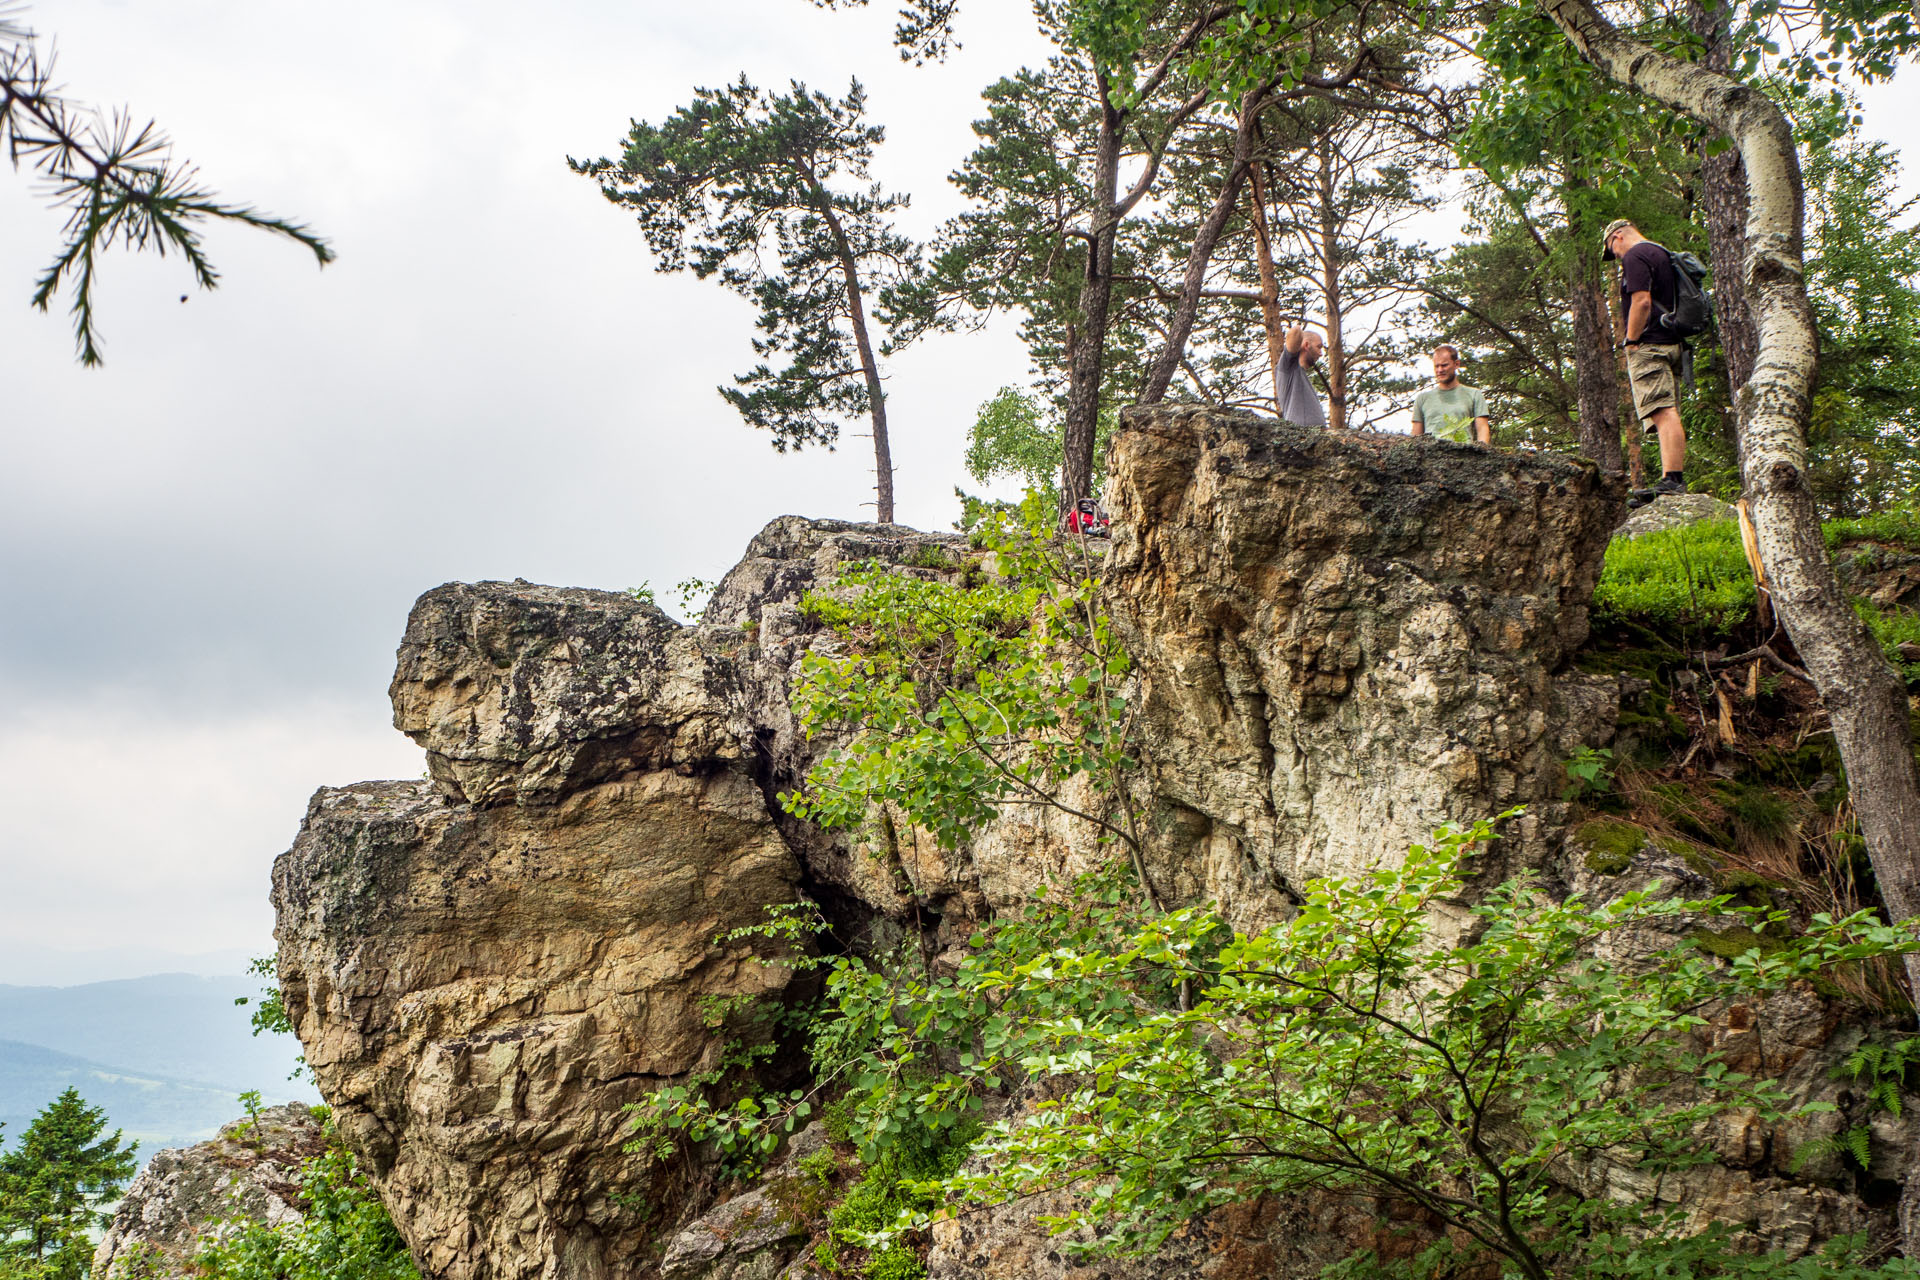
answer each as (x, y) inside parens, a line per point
(1450, 409)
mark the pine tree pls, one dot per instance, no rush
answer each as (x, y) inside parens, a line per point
(772, 192)
(51, 1185)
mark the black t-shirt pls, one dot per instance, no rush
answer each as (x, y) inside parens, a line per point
(1647, 268)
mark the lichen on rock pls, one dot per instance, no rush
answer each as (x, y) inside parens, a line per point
(1345, 640)
(249, 1172)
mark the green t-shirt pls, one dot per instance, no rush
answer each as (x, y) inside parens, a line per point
(1449, 414)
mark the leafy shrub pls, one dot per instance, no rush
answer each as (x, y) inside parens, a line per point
(957, 697)
(1480, 1074)
(1898, 525)
(1589, 772)
(345, 1235)
(1693, 577)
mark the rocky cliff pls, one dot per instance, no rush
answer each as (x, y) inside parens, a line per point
(1341, 642)
(184, 1196)
(1348, 641)
(486, 966)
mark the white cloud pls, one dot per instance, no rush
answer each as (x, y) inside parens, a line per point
(207, 549)
(128, 825)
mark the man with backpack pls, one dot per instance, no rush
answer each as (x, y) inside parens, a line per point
(1662, 305)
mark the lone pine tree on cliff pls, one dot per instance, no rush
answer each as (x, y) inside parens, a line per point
(51, 1187)
(772, 193)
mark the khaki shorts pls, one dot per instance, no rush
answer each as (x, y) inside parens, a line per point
(1654, 373)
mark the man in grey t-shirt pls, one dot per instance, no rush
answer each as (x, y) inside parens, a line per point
(1293, 390)
(1450, 409)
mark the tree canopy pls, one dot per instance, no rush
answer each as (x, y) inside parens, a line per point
(772, 194)
(53, 1183)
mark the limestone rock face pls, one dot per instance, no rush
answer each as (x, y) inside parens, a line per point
(1344, 640)
(523, 692)
(481, 986)
(883, 870)
(184, 1195)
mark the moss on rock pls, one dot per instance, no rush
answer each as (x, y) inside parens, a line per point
(1610, 844)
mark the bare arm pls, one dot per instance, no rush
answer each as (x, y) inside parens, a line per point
(1295, 336)
(1638, 312)
(1483, 429)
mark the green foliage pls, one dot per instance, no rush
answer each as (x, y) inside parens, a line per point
(773, 194)
(116, 184)
(955, 699)
(691, 590)
(1017, 437)
(1863, 279)
(1898, 524)
(1478, 1073)
(1892, 629)
(1032, 190)
(902, 1057)
(269, 1015)
(52, 1184)
(1882, 1068)
(720, 1105)
(1691, 578)
(345, 1234)
(894, 1184)
(1589, 772)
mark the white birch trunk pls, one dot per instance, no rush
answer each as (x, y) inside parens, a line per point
(1864, 697)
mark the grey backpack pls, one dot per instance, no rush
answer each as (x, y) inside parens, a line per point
(1692, 312)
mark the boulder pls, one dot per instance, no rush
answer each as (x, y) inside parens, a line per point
(486, 968)
(250, 1172)
(1344, 640)
(1674, 511)
(527, 693)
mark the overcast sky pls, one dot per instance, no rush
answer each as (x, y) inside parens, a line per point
(208, 548)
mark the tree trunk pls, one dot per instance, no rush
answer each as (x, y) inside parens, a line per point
(1269, 284)
(1331, 284)
(1596, 376)
(1636, 430)
(876, 396)
(1865, 699)
(1187, 306)
(1723, 198)
(1096, 295)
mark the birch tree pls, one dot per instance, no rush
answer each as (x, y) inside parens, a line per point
(1864, 695)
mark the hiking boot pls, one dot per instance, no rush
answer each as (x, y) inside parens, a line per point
(1641, 497)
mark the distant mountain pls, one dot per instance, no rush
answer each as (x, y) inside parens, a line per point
(33, 965)
(157, 1112)
(171, 1026)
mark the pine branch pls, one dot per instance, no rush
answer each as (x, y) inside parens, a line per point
(117, 184)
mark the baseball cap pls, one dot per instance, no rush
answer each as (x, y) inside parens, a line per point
(1606, 237)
